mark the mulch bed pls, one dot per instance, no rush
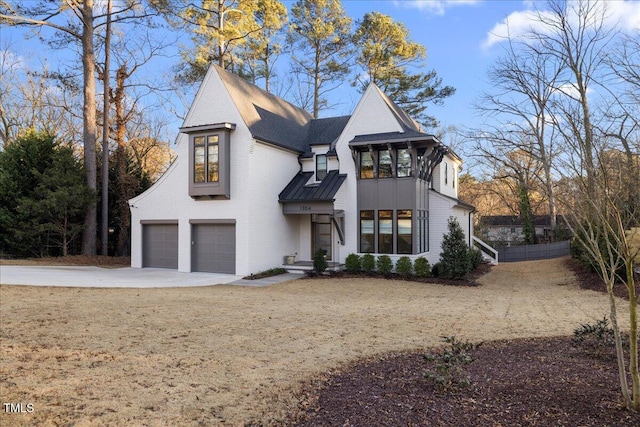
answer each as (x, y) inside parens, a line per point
(589, 279)
(469, 280)
(526, 382)
(83, 260)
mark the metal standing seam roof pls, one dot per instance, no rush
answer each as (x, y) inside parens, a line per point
(298, 191)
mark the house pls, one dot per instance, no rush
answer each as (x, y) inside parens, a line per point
(507, 230)
(257, 179)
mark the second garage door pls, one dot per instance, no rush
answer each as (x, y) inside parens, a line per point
(214, 248)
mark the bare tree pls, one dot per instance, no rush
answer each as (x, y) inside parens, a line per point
(523, 83)
(577, 35)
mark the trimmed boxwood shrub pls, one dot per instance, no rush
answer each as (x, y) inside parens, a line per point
(421, 267)
(384, 264)
(353, 263)
(368, 263)
(404, 266)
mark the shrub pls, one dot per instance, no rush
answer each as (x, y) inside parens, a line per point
(595, 339)
(404, 266)
(368, 263)
(436, 270)
(447, 369)
(384, 264)
(319, 261)
(353, 263)
(421, 267)
(454, 258)
(475, 258)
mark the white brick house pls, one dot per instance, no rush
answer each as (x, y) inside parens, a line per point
(257, 179)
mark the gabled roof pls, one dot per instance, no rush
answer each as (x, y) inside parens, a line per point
(298, 191)
(273, 120)
(403, 118)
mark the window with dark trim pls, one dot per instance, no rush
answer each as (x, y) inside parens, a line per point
(385, 232)
(446, 173)
(404, 163)
(205, 158)
(366, 165)
(367, 231)
(321, 167)
(384, 164)
(404, 243)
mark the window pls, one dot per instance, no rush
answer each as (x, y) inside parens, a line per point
(205, 159)
(404, 163)
(405, 236)
(384, 164)
(209, 160)
(446, 173)
(366, 231)
(385, 232)
(366, 165)
(321, 167)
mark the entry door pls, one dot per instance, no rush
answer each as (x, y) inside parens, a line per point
(321, 234)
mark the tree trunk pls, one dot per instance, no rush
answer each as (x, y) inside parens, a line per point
(89, 125)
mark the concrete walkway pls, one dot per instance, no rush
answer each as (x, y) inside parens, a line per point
(127, 277)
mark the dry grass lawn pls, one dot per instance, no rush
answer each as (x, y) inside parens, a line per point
(226, 355)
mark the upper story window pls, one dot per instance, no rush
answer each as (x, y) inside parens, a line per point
(366, 165)
(321, 167)
(404, 163)
(389, 163)
(446, 173)
(384, 164)
(209, 160)
(206, 164)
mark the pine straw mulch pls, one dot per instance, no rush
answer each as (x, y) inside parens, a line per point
(523, 382)
(83, 260)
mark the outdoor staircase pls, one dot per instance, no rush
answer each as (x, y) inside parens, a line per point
(488, 253)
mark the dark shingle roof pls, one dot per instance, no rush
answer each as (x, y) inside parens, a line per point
(516, 221)
(326, 131)
(272, 119)
(325, 190)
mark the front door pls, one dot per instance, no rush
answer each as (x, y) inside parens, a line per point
(321, 234)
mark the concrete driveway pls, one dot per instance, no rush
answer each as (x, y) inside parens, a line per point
(127, 277)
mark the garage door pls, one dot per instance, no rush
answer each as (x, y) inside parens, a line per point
(214, 248)
(160, 245)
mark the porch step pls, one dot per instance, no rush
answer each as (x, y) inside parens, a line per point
(302, 266)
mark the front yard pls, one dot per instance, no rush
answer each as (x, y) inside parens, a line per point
(228, 355)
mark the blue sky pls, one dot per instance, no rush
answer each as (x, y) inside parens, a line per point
(461, 38)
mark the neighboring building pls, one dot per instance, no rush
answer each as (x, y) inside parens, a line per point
(507, 230)
(257, 179)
